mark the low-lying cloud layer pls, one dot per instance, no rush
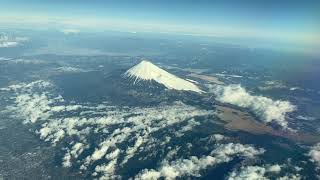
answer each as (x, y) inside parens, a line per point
(269, 110)
(193, 165)
(120, 133)
(105, 140)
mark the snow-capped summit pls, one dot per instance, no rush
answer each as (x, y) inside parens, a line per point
(146, 71)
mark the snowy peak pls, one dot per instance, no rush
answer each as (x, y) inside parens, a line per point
(146, 71)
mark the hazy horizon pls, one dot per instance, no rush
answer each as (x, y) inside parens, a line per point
(285, 25)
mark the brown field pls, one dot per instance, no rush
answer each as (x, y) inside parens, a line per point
(242, 121)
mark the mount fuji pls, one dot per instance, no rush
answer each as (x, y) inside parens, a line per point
(147, 71)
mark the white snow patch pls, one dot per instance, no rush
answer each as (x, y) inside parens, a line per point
(193, 81)
(146, 71)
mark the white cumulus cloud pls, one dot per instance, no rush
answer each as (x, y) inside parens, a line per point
(193, 165)
(267, 109)
(314, 154)
(264, 172)
(121, 133)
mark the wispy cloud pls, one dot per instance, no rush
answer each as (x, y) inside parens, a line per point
(69, 69)
(8, 41)
(70, 31)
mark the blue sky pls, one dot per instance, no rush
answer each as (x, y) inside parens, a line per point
(286, 21)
